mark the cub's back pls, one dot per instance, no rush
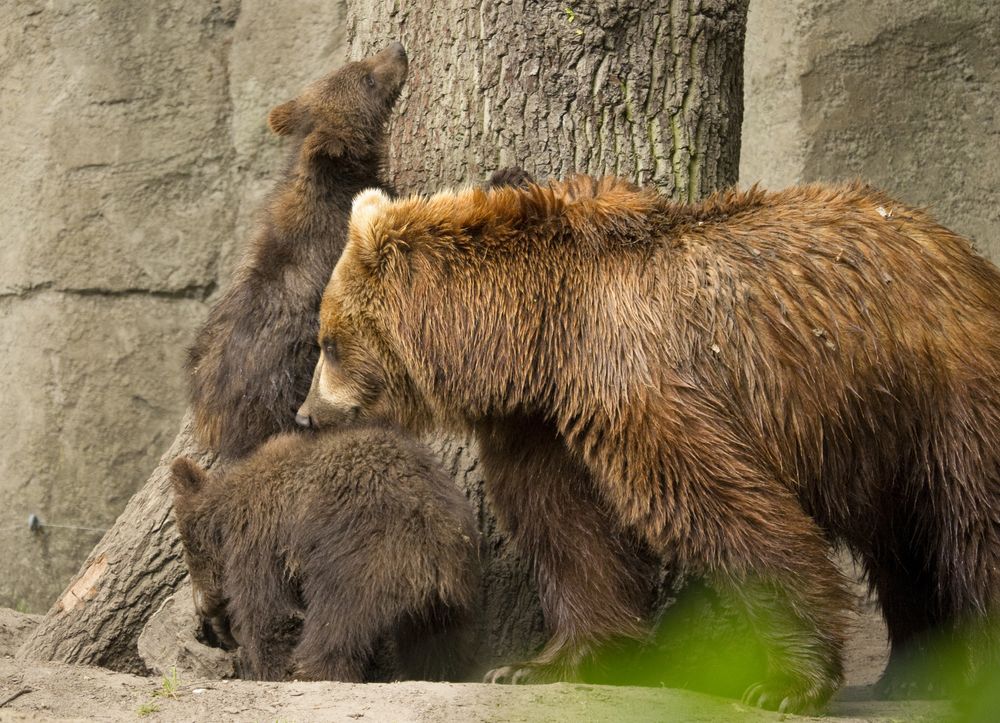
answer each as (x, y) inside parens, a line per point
(372, 477)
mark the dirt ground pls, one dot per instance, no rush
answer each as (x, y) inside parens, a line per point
(64, 693)
(56, 693)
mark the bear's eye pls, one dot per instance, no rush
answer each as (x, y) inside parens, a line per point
(330, 351)
(370, 80)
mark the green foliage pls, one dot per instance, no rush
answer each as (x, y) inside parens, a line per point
(169, 685)
(703, 642)
(147, 709)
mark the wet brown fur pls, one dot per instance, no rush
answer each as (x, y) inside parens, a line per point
(315, 550)
(250, 364)
(734, 384)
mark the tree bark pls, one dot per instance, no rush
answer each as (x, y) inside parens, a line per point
(651, 91)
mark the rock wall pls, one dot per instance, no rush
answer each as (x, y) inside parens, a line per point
(135, 152)
(901, 93)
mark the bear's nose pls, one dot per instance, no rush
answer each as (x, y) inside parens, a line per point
(396, 48)
(303, 420)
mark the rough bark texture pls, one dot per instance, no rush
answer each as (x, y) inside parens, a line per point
(650, 91)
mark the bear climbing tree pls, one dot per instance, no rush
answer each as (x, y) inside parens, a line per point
(647, 90)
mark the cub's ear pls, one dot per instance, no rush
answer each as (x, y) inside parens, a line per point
(283, 120)
(512, 176)
(187, 476)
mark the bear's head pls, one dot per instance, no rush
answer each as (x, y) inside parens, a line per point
(202, 538)
(344, 114)
(359, 375)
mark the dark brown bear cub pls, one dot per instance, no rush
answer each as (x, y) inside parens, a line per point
(319, 551)
(251, 362)
(734, 383)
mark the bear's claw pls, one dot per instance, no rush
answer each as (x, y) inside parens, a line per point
(523, 674)
(778, 697)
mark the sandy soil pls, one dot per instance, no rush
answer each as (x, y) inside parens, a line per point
(59, 692)
(81, 693)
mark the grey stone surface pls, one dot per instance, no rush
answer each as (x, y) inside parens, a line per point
(14, 629)
(902, 94)
(135, 152)
(90, 384)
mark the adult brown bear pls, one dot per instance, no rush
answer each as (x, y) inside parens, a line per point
(732, 384)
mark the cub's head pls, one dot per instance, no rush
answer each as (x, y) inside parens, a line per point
(344, 114)
(202, 542)
(360, 375)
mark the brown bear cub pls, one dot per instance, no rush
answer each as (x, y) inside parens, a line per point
(317, 552)
(250, 365)
(734, 384)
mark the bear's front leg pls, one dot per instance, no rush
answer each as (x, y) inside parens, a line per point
(264, 610)
(752, 539)
(595, 586)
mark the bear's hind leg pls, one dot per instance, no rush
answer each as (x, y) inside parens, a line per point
(695, 490)
(749, 536)
(906, 594)
(936, 568)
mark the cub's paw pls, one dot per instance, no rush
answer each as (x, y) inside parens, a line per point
(785, 697)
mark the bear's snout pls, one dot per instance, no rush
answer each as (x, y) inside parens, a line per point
(396, 48)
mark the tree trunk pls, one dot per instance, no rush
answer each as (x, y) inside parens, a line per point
(651, 91)
(645, 90)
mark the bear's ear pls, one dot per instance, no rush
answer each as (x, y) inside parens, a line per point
(187, 476)
(376, 248)
(366, 205)
(284, 119)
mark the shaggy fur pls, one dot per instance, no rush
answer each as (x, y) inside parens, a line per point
(315, 550)
(250, 365)
(735, 383)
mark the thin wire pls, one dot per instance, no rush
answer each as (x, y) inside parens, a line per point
(47, 525)
(44, 525)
